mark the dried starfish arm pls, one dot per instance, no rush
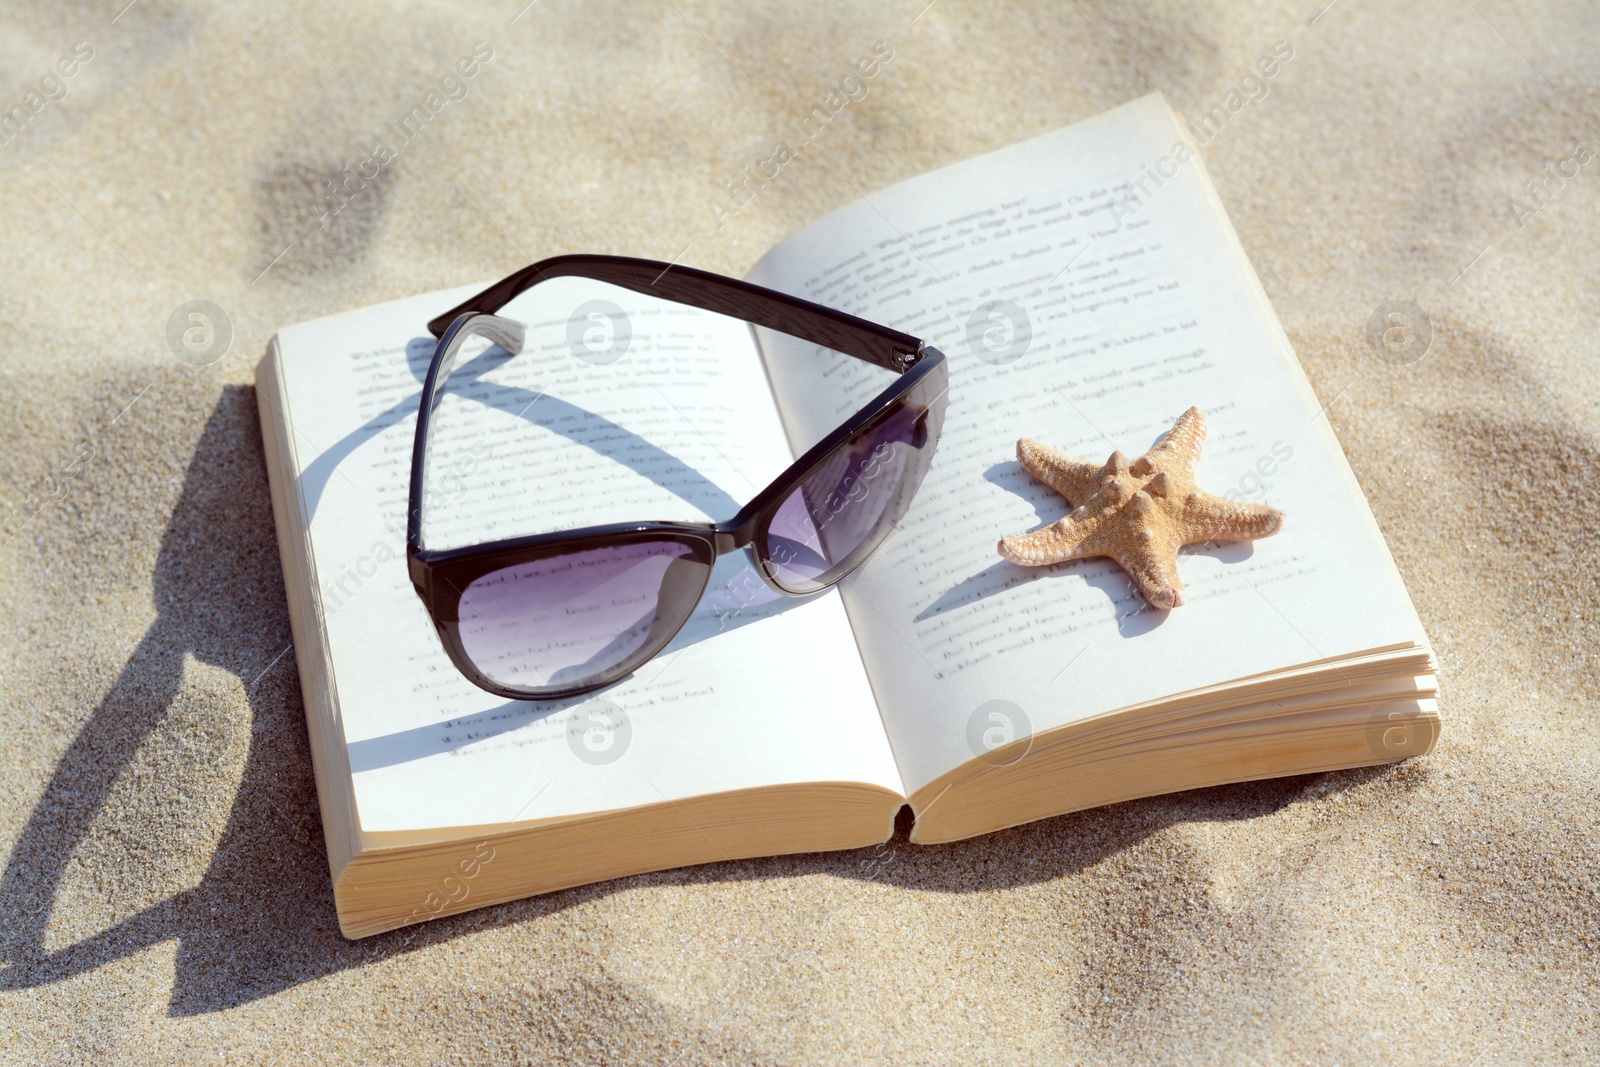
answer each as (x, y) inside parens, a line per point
(1061, 540)
(1074, 478)
(1178, 450)
(1216, 518)
(1155, 576)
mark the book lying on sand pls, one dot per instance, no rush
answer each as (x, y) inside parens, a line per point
(1087, 287)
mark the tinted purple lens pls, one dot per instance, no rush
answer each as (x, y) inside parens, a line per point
(582, 617)
(850, 501)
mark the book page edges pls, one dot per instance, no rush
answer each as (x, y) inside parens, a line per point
(388, 888)
(341, 825)
(1061, 781)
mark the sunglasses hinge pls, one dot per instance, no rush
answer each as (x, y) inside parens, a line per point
(417, 571)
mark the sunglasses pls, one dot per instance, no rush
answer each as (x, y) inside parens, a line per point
(559, 614)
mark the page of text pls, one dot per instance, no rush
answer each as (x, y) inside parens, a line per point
(1087, 289)
(620, 408)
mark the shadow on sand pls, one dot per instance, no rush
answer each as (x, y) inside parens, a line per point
(261, 919)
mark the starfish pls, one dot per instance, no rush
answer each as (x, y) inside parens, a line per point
(1138, 513)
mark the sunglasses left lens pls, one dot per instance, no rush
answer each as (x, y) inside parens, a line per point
(580, 618)
(850, 501)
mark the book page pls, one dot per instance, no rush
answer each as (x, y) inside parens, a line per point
(1087, 289)
(640, 410)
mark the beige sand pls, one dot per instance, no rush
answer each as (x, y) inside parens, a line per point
(165, 895)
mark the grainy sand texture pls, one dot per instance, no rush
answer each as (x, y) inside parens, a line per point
(165, 894)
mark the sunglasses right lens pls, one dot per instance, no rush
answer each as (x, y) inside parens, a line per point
(580, 618)
(849, 503)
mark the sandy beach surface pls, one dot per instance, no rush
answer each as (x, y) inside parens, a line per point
(165, 892)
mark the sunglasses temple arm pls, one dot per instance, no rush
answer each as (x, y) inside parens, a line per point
(509, 335)
(842, 332)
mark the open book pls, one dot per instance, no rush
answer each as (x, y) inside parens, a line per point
(1087, 287)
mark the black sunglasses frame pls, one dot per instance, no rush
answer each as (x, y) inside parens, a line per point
(441, 575)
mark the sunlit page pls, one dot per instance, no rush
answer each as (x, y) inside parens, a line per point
(675, 422)
(1082, 309)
